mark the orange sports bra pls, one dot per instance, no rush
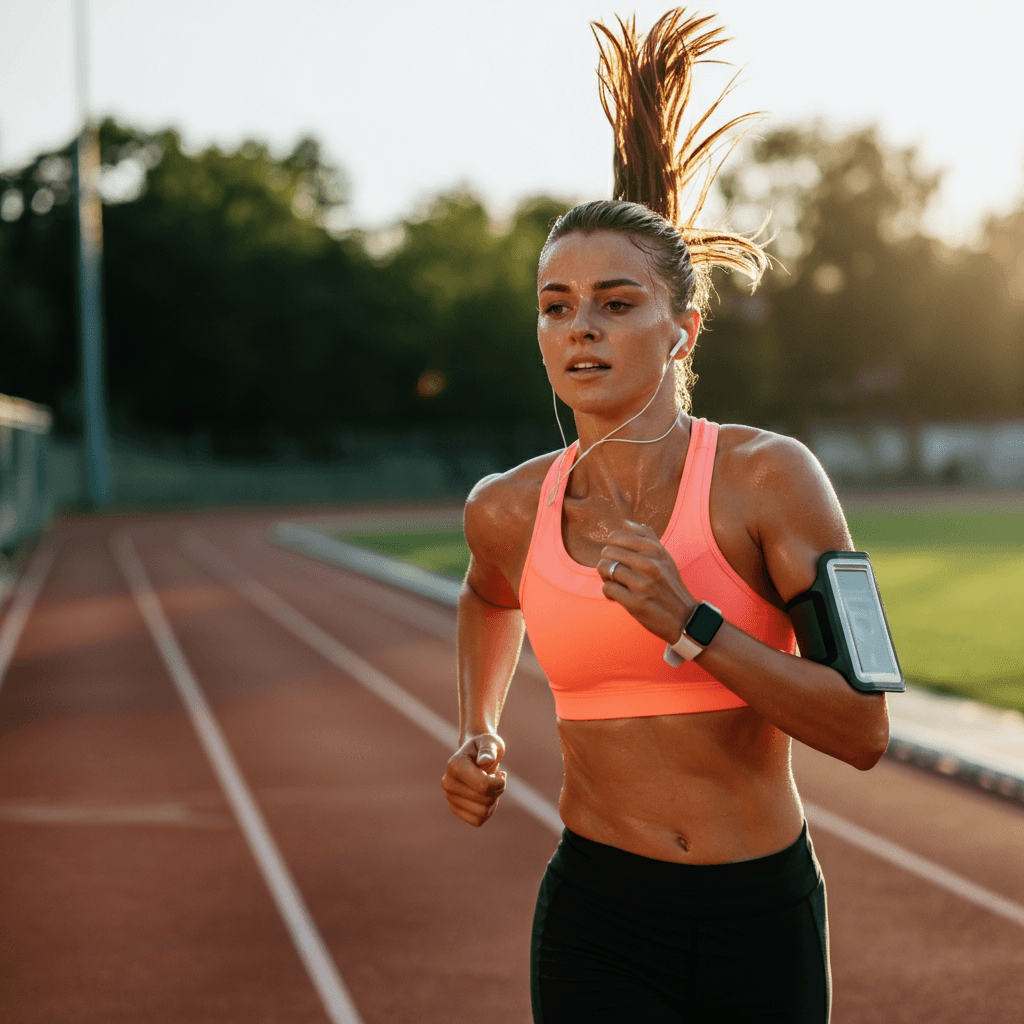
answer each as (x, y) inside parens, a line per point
(600, 662)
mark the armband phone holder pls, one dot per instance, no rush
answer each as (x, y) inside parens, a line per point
(840, 622)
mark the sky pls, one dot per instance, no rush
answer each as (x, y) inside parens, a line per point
(410, 97)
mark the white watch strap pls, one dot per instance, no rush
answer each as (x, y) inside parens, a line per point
(684, 649)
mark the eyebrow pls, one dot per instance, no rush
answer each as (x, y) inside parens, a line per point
(601, 286)
(619, 282)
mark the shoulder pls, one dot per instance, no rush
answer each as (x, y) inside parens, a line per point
(498, 520)
(503, 501)
(768, 462)
(786, 499)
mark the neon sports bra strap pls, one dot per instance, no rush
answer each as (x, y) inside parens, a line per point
(695, 487)
(541, 539)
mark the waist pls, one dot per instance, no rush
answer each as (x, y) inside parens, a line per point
(692, 788)
(737, 888)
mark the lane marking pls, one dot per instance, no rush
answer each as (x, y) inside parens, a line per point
(903, 858)
(300, 925)
(219, 565)
(396, 603)
(126, 814)
(520, 792)
(21, 604)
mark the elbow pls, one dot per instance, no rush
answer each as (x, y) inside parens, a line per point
(871, 747)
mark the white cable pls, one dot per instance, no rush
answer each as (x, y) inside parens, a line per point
(608, 436)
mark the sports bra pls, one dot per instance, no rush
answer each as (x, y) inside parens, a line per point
(600, 662)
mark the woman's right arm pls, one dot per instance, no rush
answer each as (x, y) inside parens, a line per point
(490, 635)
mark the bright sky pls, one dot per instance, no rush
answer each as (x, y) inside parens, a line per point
(412, 96)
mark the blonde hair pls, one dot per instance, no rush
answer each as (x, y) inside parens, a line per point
(645, 85)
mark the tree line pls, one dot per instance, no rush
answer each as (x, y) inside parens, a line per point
(241, 313)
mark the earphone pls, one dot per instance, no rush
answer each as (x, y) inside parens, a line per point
(683, 339)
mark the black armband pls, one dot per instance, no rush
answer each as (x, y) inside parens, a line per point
(840, 622)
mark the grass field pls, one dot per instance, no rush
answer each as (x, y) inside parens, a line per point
(952, 580)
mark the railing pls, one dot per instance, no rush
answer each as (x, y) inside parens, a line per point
(24, 499)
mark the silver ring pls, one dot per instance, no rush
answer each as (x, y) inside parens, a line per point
(611, 571)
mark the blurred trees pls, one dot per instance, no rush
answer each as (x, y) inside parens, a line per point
(244, 313)
(863, 314)
(227, 300)
(462, 297)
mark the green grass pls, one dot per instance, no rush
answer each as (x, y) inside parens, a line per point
(953, 584)
(952, 580)
(443, 551)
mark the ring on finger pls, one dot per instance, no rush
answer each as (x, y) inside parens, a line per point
(611, 571)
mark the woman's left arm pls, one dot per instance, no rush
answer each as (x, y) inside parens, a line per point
(793, 517)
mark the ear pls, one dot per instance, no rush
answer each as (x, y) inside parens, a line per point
(689, 322)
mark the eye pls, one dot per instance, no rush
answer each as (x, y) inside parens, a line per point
(554, 308)
(618, 305)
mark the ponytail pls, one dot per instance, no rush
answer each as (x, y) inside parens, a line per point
(645, 85)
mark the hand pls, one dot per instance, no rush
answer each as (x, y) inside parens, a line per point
(473, 783)
(646, 581)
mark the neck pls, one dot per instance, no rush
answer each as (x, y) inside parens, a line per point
(597, 432)
(630, 468)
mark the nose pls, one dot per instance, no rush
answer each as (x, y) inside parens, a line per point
(583, 327)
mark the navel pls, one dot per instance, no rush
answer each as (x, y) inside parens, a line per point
(683, 844)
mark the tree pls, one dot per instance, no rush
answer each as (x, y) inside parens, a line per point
(464, 301)
(230, 308)
(858, 315)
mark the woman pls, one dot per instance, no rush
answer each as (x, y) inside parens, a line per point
(685, 886)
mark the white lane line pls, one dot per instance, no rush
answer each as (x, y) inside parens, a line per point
(903, 858)
(530, 799)
(285, 893)
(21, 604)
(217, 563)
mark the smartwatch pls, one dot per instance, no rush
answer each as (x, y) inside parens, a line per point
(699, 630)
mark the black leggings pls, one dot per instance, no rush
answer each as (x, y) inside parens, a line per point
(621, 938)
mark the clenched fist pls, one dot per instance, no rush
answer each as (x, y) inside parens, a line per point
(473, 783)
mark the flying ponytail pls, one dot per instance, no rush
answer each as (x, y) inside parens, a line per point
(645, 85)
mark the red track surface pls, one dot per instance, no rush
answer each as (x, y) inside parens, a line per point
(130, 894)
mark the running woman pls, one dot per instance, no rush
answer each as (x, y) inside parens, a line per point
(650, 563)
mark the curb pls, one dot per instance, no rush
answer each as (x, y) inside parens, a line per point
(380, 567)
(911, 742)
(959, 759)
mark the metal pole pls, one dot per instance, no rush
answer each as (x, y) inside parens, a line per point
(89, 238)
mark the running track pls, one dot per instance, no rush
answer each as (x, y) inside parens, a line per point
(219, 802)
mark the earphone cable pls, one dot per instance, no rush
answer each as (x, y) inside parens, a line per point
(608, 436)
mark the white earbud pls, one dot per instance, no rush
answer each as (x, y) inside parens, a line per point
(683, 339)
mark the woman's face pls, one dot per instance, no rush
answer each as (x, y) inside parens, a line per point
(605, 323)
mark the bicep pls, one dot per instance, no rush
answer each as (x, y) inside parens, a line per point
(801, 518)
(490, 584)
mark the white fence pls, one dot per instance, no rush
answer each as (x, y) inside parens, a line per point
(24, 501)
(970, 454)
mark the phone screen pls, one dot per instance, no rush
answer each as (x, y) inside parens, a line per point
(856, 595)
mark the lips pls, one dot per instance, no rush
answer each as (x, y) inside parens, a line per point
(587, 366)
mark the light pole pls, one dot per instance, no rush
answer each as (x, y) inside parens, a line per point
(89, 246)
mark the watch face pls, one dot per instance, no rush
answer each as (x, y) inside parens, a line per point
(703, 623)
